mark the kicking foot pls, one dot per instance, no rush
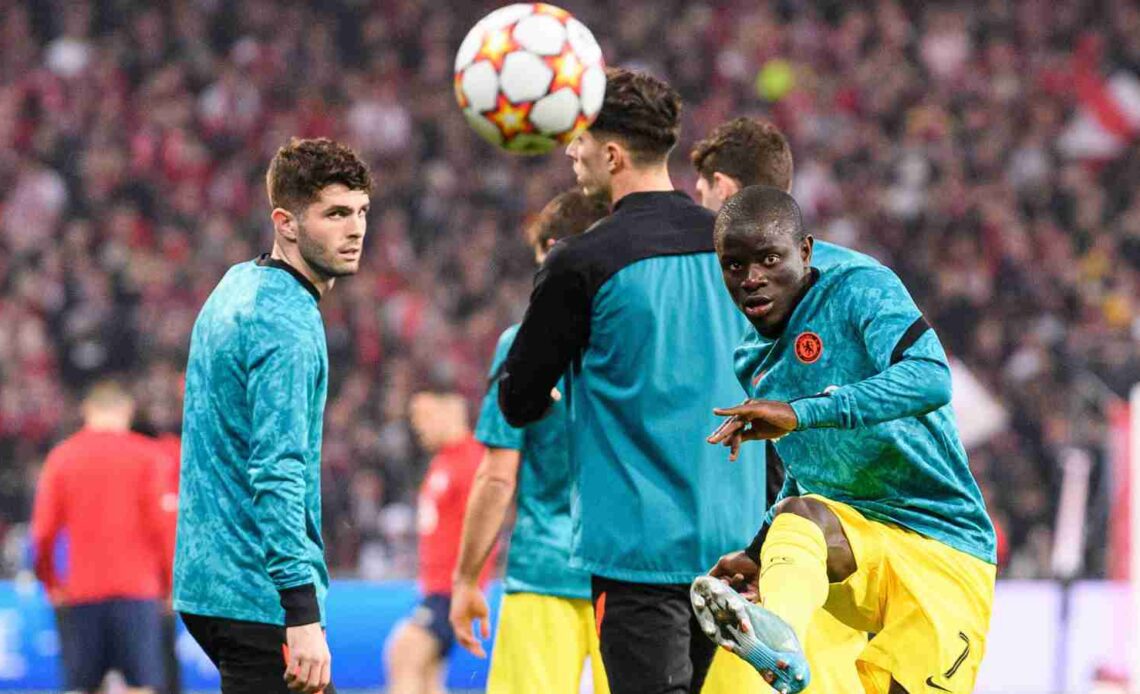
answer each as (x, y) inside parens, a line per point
(762, 639)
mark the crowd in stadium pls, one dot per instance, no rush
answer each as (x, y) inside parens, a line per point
(134, 137)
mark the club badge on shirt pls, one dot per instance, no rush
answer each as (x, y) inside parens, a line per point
(809, 348)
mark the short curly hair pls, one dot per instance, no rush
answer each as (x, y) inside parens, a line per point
(642, 111)
(752, 151)
(302, 168)
(568, 214)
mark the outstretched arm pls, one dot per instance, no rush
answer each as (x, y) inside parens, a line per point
(914, 386)
(554, 331)
(913, 373)
(487, 506)
(490, 499)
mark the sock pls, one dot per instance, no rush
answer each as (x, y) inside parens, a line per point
(793, 571)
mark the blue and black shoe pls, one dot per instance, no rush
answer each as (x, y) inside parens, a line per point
(762, 639)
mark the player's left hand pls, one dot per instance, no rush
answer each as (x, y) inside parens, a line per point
(468, 604)
(753, 420)
(739, 571)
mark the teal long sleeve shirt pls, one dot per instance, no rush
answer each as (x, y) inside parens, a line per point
(870, 385)
(249, 541)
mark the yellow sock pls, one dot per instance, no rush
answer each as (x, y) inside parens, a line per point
(793, 571)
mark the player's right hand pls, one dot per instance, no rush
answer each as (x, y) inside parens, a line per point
(739, 571)
(753, 420)
(467, 605)
(308, 663)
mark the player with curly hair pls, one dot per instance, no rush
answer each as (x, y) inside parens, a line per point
(249, 572)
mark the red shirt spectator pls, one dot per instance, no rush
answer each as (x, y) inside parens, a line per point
(103, 487)
(440, 509)
(169, 454)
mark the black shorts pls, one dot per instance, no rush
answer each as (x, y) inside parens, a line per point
(650, 640)
(116, 634)
(247, 654)
(433, 614)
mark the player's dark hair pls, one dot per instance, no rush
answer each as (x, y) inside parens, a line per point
(757, 205)
(568, 214)
(642, 111)
(303, 167)
(752, 151)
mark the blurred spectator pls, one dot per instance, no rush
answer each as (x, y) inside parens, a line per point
(417, 649)
(102, 489)
(161, 422)
(925, 134)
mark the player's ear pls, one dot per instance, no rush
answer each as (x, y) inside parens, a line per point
(284, 223)
(725, 186)
(806, 248)
(615, 156)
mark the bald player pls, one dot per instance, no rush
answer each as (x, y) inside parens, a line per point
(739, 153)
(880, 521)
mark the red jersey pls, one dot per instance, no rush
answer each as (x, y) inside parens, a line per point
(440, 508)
(169, 447)
(104, 489)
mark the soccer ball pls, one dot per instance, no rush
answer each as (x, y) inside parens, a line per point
(529, 77)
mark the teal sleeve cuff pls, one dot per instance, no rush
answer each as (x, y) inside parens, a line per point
(814, 412)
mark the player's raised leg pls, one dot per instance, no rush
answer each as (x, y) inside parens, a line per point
(804, 549)
(832, 651)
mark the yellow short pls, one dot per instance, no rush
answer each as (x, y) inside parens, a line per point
(542, 645)
(832, 648)
(928, 605)
(731, 675)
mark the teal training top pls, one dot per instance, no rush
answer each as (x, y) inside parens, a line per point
(249, 517)
(539, 558)
(870, 384)
(635, 319)
(826, 255)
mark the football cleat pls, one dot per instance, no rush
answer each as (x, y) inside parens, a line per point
(762, 639)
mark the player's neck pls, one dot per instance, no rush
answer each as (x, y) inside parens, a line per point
(648, 180)
(109, 423)
(292, 255)
(454, 438)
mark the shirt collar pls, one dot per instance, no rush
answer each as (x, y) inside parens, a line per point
(264, 260)
(648, 197)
